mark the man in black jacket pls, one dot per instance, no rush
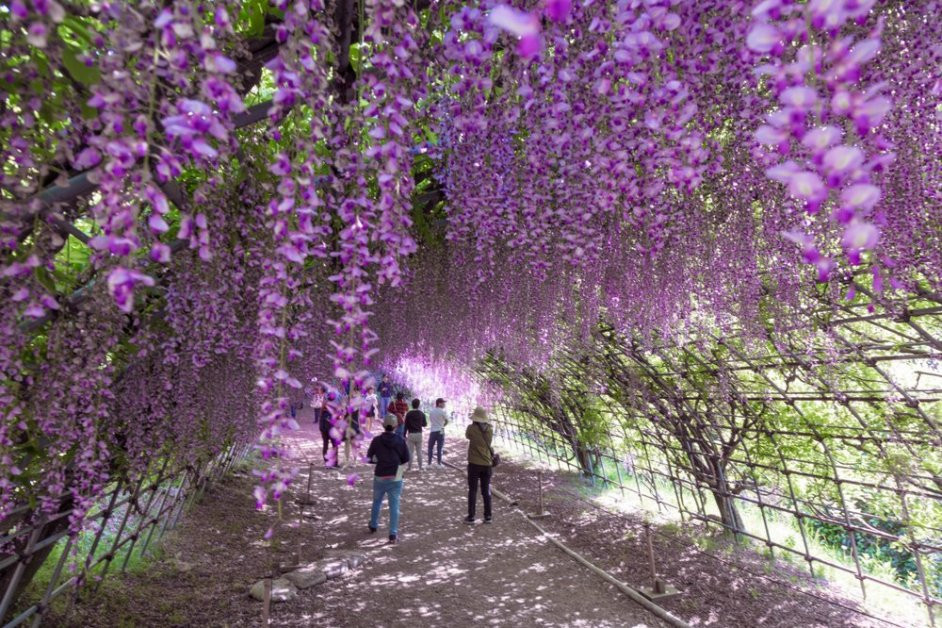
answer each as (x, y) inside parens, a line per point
(415, 421)
(388, 452)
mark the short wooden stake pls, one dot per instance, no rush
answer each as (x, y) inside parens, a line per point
(541, 513)
(660, 589)
(266, 603)
(307, 500)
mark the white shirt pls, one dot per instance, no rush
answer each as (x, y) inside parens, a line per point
(437, 419)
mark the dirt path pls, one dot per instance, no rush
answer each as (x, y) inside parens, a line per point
(444, 572)
(730, 586)
(441, 573)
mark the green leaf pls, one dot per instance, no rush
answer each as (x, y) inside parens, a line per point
(88, 113)
(252, 18)
(78, 29)
(44, 278)
(78, 70)
(356, 57)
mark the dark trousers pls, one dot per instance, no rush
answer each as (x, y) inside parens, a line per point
(476, 473)
(325, 435)
(433, 438)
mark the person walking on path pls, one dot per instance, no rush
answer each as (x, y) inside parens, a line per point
(351, 434)
(437, 420)
(369, 408)
(480, 462)
(415, 421)
(324, 424)
(399, 407)
(385, 396)
(317, 402)
(388, 452)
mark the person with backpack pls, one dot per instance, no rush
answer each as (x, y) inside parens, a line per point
(351, 434)
(388, 452)
(399, 407)
(415, 421)
(318, 397)
(436, 432)
(481, 460)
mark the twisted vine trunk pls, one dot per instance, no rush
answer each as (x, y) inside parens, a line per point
(35, 560)
(725, 501)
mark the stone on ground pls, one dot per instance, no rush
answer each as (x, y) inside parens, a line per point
(334, 567)
(337, 563)
(307, 576)
(282, 590)
(354, 558)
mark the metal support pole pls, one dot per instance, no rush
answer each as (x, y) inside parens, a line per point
(47, 596)
(162, 514)
(110, 556)
(146, 519)
(178, 506)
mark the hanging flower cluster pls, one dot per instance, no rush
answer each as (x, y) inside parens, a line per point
(637, 162)
(298, 226)
(590, 140)
(825, 130)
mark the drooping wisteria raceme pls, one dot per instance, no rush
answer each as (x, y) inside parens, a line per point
(294, 215)
(823, 137)
(650, 163)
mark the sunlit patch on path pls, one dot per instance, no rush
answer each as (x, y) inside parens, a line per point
(446, 573)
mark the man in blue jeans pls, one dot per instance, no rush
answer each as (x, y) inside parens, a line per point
(385, 396)
(437, 420)
(388, 452)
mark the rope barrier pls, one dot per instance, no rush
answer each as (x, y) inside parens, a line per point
(632, 593)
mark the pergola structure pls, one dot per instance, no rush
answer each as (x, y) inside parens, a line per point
(829, 429)
(661, 230)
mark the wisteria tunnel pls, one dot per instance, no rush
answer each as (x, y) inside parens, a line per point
(290, 288)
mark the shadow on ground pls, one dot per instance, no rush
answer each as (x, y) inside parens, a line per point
(442, 573)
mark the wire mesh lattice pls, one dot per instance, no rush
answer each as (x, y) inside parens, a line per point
(819, 443)
(126, 518)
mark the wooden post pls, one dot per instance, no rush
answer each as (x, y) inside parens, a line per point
(656, 584)
(659, 589)
(266, 603)
(541, 513)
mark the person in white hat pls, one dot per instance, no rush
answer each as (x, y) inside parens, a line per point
(480, 463)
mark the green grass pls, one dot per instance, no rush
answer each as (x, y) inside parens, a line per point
(137, 562)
